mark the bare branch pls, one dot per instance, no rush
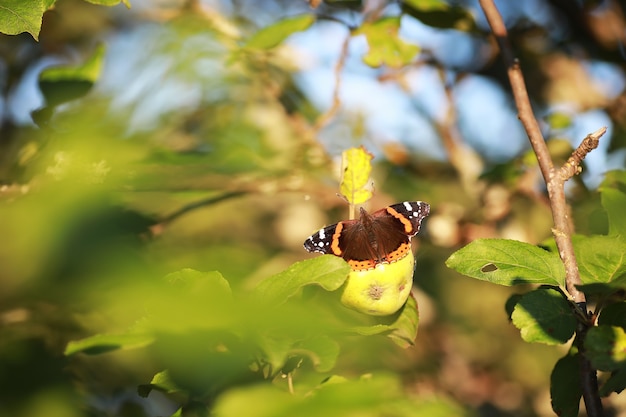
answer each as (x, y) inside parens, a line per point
(555, 182)
(572, 166)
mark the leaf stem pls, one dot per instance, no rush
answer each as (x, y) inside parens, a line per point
(555, 182)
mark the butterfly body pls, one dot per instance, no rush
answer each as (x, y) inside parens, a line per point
(383, 236)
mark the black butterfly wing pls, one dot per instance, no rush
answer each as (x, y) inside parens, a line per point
(410, 214)
(322, 240)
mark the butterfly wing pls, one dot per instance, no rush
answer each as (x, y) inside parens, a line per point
(322, 240)
(410, 214)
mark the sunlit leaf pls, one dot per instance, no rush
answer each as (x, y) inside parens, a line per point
(544, 316)
(385, 46)
(606, 347)
(601, 259)
(507, 262)
(17, 16)
(110, 2)
(326, 271)
(565, 389)
(355, 181)
(273, 35)
(161, 382)
(103, 343)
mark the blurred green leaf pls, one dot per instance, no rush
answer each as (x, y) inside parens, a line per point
(565, 389)
(439, 14)
(321, 351)
(370, 396)
(614, 201)
(559, 120)
(103, 343)
(606, 347)
(385, 46)
(400, 327)
(161, 382)
(60, 84)
(508, 262)
(601, 259)
(355, 179)
(615, 383)
(110, 2)
(273, 35)
(544, 316)
(17, 16)
(190, 281)
(326, 271)
(205, 362)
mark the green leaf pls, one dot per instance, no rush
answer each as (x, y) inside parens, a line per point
(322, 352)
(440, 14)
(326, 271)
(110, 2)
(613, 315)
(61, 84)
(403, 329)
(385, 46)
(544, 316)
(273, 35)
(559, 120)
(357, 166)
(606, 347)
(601, 259)
(611, 290)
(400, 327)
(191, 281)
(615, 383)
(17, 16)
(103, 343)
(614, 201)
(190, 299)
(370, 396)
(160, 382)
(508, 262)
(565, 389)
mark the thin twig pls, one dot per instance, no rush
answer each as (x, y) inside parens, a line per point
(555, 182)
(323, 119)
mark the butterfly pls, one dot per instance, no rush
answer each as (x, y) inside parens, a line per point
(383, 236)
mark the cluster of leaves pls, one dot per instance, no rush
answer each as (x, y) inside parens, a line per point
(210, 340)
(545, 315)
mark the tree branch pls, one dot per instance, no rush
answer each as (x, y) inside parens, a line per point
(323, 119)
(555, 182)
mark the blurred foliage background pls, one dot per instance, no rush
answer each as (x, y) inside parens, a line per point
(197, 140)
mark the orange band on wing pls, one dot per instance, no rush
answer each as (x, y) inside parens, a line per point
(408, 227)
(335, 241)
